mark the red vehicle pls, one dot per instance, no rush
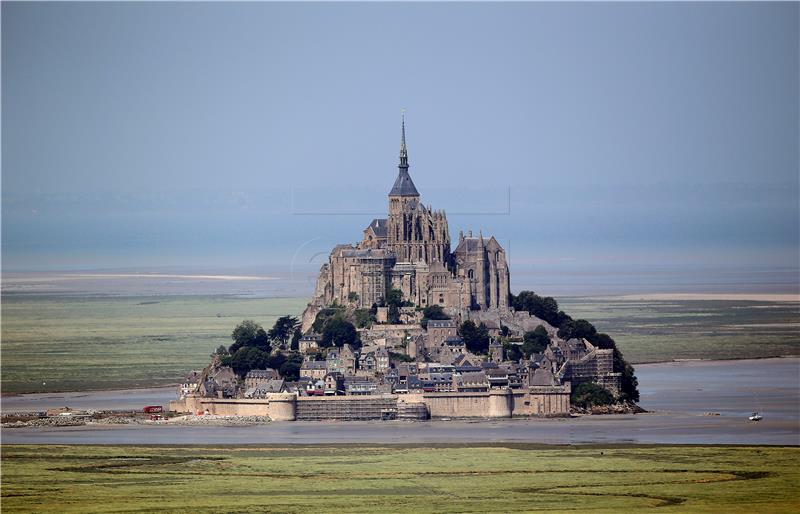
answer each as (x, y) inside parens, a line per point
(151, 409)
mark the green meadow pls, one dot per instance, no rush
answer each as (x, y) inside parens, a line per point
(481, 478)
(52, 343)
(661, 330)
(59, 343)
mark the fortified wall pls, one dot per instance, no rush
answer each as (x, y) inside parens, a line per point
(550, 401)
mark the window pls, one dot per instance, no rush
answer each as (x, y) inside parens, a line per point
(471, 274)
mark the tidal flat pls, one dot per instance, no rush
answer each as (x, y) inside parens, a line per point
(408, 478)
(84, 342)
(79, 343)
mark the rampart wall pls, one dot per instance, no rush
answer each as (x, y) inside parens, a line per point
(496, 403)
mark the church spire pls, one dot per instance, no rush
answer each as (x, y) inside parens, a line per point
(403, 186)
(403, 150)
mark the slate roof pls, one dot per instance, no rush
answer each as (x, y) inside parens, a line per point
(379, 227)
(269, 374)
(453, 341)
(473, 244)
(441, 323)
(403, 186)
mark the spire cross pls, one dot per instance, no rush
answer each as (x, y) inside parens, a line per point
(403, 150)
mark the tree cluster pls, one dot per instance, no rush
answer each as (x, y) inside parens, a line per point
(432, 312)
(476, 337)
(535, 341)
(394, 300)
(252, 348)
(546, 308)
(337, 331)
(589, 394)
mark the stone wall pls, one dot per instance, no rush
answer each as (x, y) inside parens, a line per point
(278, 406)
(498, 403)
(544, 401)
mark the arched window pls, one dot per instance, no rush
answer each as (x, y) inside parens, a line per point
(471, 274)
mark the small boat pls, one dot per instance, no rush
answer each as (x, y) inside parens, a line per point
(756, 417)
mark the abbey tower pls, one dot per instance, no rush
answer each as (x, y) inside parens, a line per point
(410, 251)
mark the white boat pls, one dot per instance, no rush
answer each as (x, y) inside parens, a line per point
(756, 417)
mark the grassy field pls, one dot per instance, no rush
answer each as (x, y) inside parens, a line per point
(400, 478)
(52, 343)
(58, 343)
(660, 330)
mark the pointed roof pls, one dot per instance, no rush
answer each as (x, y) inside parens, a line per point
(403, 186)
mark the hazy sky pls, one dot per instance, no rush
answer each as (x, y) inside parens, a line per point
(221, 135)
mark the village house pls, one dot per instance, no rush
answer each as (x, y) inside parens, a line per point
(219, 381)
(256, 377)
(368, 363)
(355, 386)
(471, 382)
(314, 370)
(334, 383)
(382, 363)
(263, 388)
(309, 342)
(190, 384)
(439, 330)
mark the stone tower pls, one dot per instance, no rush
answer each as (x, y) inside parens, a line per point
(415, 234)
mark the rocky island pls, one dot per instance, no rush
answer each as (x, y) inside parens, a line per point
(403, 326)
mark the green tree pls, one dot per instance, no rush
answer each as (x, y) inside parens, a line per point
(290, 369)
(337, 332)
(221, 350)
(394, 297)
(245, 359)
(535, 341)
(323, 316)
(394, 300)
(432, 312)
(513, 351)
(363, 317)
(283, 330)
(476, 337)
(543, 307)
(248, 333)
(400, 357)
(352, 296)
(579, 328)
(589, 394)
(295, 344)
(276, 361)
(547, 309)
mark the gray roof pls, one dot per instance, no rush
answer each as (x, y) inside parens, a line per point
(441, 323)
(262, 373)
(472, 378)
(403, 186)
(379, 227)
(453, 341)
(369, 253)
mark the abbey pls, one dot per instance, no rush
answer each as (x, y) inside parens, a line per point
(410, 250)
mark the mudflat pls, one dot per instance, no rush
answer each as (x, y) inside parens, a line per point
(690, 403)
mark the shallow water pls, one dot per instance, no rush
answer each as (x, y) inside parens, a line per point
(679, 394)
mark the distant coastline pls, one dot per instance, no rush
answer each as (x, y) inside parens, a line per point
(739, 297)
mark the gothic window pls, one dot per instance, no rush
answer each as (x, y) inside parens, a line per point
(470, 274)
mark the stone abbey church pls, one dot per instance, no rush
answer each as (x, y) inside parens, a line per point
(410, 251)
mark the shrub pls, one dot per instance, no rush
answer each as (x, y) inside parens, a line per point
(588, 394)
